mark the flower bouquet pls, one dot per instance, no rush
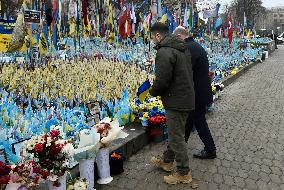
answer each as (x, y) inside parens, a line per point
(109, 131)
(78, 184)
(116, 163)
(24, 176)
(147, 109)
(85, 153)
(87, 144)
(157, 127)
(51, 156)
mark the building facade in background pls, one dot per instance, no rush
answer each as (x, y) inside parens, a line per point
(272, 19)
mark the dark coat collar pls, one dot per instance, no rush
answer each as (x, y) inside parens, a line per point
(189, 39)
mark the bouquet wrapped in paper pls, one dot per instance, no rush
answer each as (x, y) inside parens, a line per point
(88, 144)
(109, 131)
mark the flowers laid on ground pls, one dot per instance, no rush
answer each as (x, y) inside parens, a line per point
(109, 130)
(116, 162)
(87, 144)
(157, 120)
(116, 156)
(51, 155)
(225, 59)
(147, 109)
(78, 184)
(27, 174)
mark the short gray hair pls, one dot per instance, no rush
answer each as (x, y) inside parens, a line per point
(181, 30)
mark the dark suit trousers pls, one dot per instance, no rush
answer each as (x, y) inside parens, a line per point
(197, 118)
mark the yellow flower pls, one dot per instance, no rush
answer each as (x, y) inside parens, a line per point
(146, 114)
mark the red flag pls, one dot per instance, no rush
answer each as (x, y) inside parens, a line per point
(84, 12)
(231, 29)
(55, 6)
(129, 24)
(122, 21)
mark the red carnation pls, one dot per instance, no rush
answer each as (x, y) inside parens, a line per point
(32, 162)
(54, 133)
(4, 179)
(2, 164)
(36, 170)
(38, 147)
(45, 163)
(44, 174)
(56, 149)
(37, 180)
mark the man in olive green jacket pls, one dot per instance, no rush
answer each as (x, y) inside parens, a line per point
(174, 83)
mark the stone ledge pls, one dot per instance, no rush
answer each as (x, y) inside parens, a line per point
(232, 78)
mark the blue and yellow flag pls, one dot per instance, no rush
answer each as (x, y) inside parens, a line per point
(164, 15)
(143, 90)
(43, 45)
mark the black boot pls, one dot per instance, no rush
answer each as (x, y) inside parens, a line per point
(205, 155)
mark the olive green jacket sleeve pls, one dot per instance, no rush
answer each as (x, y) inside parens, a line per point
(164, 71)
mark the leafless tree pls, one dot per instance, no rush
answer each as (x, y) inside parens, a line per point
(10, 7)
(251, 8)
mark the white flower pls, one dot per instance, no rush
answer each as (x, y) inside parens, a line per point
(60, 142)
(66, 164)
(58, 128)
(48, 140)
(30, 146)
(81, 185)
(69, 150)
(52, 177)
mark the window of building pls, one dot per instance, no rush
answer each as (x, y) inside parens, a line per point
(280, 15)
(275, 15)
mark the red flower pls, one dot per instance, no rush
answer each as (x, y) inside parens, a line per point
(44, 174)
(37, 170)
(4, 171)
(45, 137)
(32, 162)
(38, 147)
(4, 179)
(2, 164)
(57, 184)
(56, 149)
(37, 180)
(18, 168)
(54, 133)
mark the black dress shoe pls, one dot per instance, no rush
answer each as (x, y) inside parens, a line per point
(205, 155)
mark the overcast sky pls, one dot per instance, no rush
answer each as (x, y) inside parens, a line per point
(266, 3)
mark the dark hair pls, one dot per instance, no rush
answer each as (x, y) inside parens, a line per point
(159, 27)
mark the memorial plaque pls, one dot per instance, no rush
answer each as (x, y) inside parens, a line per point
(32, 16)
